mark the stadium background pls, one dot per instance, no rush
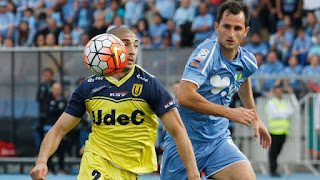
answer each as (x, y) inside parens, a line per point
(21, 65)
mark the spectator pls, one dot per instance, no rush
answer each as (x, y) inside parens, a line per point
(29, 17)
(293, 8)
(98, 27)
(7, 21)
(67, 40)
(75, 35)
(282, 40)
(267, 13)
(272, 67)
(33, 4)
(202, 25)
(117, 22)
(40, 41)
(83, 18)
(184, 14)
(293, 69)
(256, 45)
(52, 28)
(8, 42)
(301, 46)
(142, 26)
(50, 40)
(256, 83)
(58, 15)
(1, 40)
(312, 24)
(254, 14)
(279, 111)
(25, 35)
(146, 42)
(101, 9)
(315, 48)
(312, 70)
(42, 21)
(43, 97)
(174, 34)
(57, 104)
(113, 11)
(157, 30)
(85, 38)
(134, 10)
(165, 8)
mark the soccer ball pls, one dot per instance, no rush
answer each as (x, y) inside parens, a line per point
(105, 55)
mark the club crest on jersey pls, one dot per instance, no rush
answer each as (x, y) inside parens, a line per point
(238, 77)
(202, 55)
(137, 89)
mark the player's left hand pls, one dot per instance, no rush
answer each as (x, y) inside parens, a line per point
(259, 128)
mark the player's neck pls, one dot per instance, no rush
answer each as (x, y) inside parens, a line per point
(230, 55)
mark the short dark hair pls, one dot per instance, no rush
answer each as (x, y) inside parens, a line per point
(49, 70)
(235, 7)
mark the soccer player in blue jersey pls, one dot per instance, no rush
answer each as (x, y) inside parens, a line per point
(124, 109)
(216, 70)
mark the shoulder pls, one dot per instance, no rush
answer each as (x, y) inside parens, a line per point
(248, 58)
(143, 75)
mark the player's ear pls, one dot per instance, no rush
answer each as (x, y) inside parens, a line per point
(216, 26)
(246, 31)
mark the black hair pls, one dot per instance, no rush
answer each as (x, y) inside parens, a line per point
(234, 7)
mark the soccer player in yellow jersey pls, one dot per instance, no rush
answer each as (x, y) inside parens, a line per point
(124, 109)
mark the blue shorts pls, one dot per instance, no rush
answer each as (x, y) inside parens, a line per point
(211, 157)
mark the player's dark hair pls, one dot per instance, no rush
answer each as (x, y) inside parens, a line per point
(49, 70)
(234, 7)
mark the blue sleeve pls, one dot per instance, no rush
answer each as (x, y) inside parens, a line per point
(160, 99)
(76, 106)
(251, 64)
(200, 63)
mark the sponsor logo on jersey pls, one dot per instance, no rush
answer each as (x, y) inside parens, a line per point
(118, 93)
(99, 88)
(136, 118)
(202, 55)
(195, 64)
(170, 103)
(136, 89)
(142, 78)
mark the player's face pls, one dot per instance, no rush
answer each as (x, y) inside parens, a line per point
(231, 30)
(132, 45)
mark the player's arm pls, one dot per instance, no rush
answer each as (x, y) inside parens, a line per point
(173, 123)
(246, 96)
(190, 98)
(50, 143)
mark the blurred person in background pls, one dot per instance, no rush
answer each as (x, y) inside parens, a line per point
(117, 22)
(157, 30)
(113, 10)
(67, 29)
(42, 21)
(67, 40)
(184, 14)
(40, 41)
(312, 25)
(58, 15)
(57, 104)
(43, 97)
(50, 40)
(8, 42)
(142, 26)
(313, 69)
(279, 110)
(98, 26)
(28, 15)
(85, 38)
(256, 45)
(100, 9)
(134, 10)
(24, 35)
(146, 41)
(165, 8)
(83, 18)
(315, 48)
(202, 26)
(7, 20)
(282, 40)
(272, 67)
(257, 83)
(301, 46)
(293, 69)
(175, 38)
(292, 8)
(51, 28)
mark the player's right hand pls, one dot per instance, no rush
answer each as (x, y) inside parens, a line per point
(241, 115)
(39, 172)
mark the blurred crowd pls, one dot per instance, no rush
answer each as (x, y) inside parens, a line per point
(284, 34)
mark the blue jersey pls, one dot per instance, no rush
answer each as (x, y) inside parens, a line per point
(218, 79)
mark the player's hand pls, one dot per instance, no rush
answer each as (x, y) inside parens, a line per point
(259, 128)
(241, 115)
(39, 172)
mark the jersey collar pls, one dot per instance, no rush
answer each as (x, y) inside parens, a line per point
(123, 80)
